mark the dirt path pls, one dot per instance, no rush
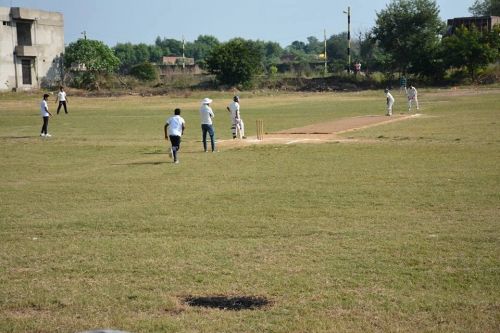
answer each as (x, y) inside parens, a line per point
(318, 133)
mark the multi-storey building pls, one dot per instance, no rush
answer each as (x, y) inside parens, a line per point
(31, 48)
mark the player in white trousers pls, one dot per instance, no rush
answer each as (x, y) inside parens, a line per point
(412, 96)
(237, 125)
(390, 102)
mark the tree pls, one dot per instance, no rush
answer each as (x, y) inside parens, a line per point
(314, 46)
(94, 55)
(169, 46)
(272, 53)
(145, 71)
(371, 56)
(94, 58)
(235, 62)
(409, 32)
(201, 47)
(471, 49)
(485, 8)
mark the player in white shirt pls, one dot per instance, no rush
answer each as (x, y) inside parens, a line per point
(206, 115)
(174, 129)
(412, 96)
(237, 125)
(390, 102)
(62, 99)
(44, 112)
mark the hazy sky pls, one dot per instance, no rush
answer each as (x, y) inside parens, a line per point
(282, 21)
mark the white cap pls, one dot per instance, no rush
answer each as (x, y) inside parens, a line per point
(206, 101)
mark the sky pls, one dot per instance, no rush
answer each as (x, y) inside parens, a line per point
(282, 21)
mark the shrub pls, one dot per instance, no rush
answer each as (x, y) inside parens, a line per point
(145, 71)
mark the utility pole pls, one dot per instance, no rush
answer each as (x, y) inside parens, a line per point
(326, 69)
(183, 57)
(84, 33)
(348, 39)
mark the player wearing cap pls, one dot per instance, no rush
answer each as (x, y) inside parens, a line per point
(207, 115)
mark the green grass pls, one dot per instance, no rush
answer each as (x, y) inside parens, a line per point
(397, 232)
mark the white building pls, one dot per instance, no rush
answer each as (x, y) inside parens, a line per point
(31, 48)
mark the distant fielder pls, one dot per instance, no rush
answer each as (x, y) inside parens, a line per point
(390, 102)
(62, 99)
(412, 96)
(237, 125)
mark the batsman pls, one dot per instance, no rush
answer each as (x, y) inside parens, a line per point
(237, 125)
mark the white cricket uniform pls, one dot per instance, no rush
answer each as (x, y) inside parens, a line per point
(175, 124)
(43, 108)
(61, 96)
(390, 103)
(412, 96)
(206, 114)
(237, 125)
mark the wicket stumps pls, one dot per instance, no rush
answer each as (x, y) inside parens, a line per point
(260, 129)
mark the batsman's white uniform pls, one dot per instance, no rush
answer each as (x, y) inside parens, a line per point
(390, 103)
(237, 125)
(412, 96)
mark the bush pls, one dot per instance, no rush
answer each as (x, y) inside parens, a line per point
(145, 71)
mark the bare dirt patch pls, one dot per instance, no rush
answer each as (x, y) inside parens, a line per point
(318, 133)
(235, 303)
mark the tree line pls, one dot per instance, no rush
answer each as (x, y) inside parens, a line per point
(408, 38)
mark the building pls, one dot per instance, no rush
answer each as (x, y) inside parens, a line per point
(482, 23)
(173, 66)
(31, 48)
(174, 60)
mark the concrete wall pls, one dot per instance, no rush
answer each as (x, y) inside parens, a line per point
(7, 45)
(45, 53)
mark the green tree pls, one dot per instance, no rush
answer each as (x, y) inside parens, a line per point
(145, 71)
(94, 57)
(169, 46)
(471, 49)
(485, 8)
(336, 50)
(201, 47)
(273, 52)
(131, 55)
(93, 54)
(235, 62)
(371, 56)
(409, 32)
(314, 46)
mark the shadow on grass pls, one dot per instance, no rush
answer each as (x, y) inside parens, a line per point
(142, 163)
(19, 137)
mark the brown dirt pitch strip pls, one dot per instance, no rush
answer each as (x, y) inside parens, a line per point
(318, 133)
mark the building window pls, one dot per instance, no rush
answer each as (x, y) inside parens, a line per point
(7, 23)
(23, 34)
(26, 69)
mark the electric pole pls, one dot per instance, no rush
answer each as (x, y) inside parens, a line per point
(348, 39)
(326, 70)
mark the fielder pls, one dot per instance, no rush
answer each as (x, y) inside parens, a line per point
(45, 113)
(237, 125)
(62, 99)
(412, 96)
(390, 102)
(174, 129)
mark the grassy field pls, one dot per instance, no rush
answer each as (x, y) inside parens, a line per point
(398, 231)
